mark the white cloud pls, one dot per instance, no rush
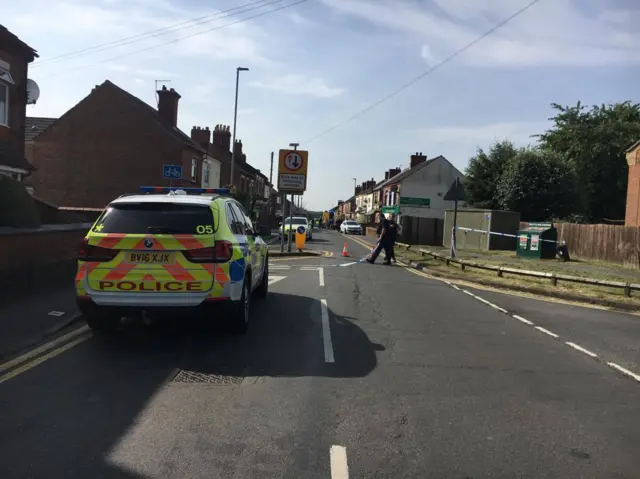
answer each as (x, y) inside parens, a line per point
(575, 38)
(299, 85)
(481, 135)
(298, 19)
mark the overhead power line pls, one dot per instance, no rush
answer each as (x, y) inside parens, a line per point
(176, 40)
(422, 75)
(194, 22)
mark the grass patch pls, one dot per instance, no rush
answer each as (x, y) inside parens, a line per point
(589, 293)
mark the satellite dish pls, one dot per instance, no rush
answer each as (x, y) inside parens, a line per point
(33, 92)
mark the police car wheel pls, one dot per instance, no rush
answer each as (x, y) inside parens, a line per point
(239, 320)
(102, 323)
(263, 289)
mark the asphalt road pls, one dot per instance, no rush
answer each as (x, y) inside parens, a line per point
(348, 370)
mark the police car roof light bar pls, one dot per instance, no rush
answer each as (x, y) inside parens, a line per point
(158, 190)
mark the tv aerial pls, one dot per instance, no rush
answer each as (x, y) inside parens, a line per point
(33, 92)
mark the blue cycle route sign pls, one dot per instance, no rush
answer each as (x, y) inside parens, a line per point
(172, 172)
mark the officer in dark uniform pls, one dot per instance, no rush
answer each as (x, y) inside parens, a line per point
(387, 239)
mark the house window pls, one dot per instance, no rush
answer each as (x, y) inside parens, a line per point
(205, 174)
(194, 169)
(4, 103)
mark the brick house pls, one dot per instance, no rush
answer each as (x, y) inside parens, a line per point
(34, 125)
(632, 215)
(109, 144)
(15, 56)
(217, 144)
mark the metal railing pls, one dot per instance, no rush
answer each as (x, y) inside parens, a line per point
(502, 270)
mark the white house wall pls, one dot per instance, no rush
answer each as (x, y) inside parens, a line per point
(433, 181)
(213, 168)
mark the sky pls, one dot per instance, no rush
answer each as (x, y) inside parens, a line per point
(316, 68)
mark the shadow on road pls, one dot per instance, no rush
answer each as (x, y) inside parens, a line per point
(64, 417)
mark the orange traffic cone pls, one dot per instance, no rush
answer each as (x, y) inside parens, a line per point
(344, 250)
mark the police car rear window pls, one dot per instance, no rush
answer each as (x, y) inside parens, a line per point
(156, 218)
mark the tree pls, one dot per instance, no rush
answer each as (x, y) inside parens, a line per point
(17, 207)
(540, 184)
(484, 172)
(594, 141)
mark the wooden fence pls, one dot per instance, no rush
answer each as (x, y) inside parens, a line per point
(610, 243)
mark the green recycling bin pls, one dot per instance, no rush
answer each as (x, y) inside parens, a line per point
(538, 241)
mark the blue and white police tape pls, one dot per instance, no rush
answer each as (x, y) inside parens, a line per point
(496, 233)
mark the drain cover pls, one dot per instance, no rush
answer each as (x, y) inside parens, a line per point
(195, 377)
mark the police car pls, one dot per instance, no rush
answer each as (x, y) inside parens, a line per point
(171, 250)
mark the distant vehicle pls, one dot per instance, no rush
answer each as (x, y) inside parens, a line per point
(293, 224)
(351, 227)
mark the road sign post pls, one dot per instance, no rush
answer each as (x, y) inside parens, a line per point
(171, 172)
(292, 171)
(455, 193)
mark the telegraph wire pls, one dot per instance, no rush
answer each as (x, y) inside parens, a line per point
(422, 75)
(158, 32)
(176, 40)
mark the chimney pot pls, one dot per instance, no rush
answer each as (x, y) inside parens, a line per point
(417, 159)
(168, 105)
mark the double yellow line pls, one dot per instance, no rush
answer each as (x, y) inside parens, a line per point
(33, 358)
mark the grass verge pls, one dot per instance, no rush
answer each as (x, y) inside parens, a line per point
(592, 294)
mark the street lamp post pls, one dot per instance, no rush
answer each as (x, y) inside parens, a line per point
(235, 122)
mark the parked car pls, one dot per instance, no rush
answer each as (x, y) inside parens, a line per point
(351, 227)
(293, 224)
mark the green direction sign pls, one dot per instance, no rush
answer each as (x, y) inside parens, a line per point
(409, 201)
(391, 209)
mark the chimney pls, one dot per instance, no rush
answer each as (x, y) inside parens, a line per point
(168, 105)
(222, 138)
(238, 152)
(386, 175)
(393, 172)
(201, 136)
(417, 159)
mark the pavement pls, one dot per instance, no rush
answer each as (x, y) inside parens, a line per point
(348, 370)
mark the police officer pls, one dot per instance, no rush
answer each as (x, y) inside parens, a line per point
(387, 239)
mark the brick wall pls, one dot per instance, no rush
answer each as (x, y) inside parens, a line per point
(39, 258)
(105, 146)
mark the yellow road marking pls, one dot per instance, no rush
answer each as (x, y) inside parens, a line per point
(41, 359)
(360, 242)
(43, 348)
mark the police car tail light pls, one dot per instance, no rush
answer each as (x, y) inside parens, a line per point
(87, 252)
(224, 251)
(200, 255)
(220, 253)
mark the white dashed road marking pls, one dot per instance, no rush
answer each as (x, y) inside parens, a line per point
(321, 276)
(339, 465)
(520, 318)
(326, 332)
(575, 346)
(546, 331)
(624, 371)
(581, 349)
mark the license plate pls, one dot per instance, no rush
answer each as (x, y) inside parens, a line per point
(155, 257)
